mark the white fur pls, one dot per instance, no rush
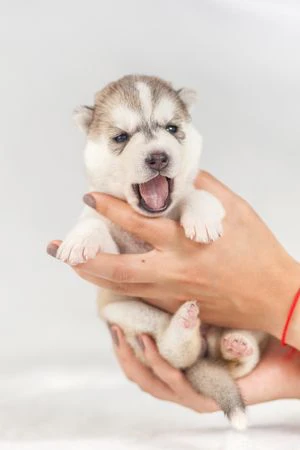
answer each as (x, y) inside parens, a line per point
(169, 331)
(188, 96)
(125, 118)
(145, 99)
(86, 239)
(147, 318)
(104, 172)
(82, 116)
(239, 420)
(201, 216)
(251, 340)
(164, 111)
(181, 343)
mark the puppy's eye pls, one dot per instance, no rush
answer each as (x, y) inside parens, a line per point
(172, 129)
(121, 138)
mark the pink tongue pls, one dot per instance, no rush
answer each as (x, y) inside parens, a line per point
(155, 192)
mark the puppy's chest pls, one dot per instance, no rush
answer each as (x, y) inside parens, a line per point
(127, 242)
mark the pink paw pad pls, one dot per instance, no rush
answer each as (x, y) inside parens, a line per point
(189, 315)
(236, 346)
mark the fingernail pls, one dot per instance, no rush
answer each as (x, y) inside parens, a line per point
(140, 342)
(114, 336)
(52, 250)
(89, 200)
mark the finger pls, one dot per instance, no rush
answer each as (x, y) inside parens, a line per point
(160, 232)
(129, 268)
(137, 372)
(150, 292)
(153, 293)
(127, 289)
(174, 378)
(126, 268)
(52, 247)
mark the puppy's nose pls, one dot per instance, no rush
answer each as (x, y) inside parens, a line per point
(157, 160)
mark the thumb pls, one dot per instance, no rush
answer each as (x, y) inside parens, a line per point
(157, 231)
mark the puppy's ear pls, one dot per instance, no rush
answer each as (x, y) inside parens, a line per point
(188, 96)
(83, 116)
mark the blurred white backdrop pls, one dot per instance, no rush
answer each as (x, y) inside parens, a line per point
(243, 58)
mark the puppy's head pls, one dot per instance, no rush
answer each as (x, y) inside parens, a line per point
(141, 145)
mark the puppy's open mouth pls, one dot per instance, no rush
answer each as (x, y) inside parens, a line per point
(155, 195)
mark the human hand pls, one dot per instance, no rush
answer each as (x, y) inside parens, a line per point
(276, 376)
(243, 280)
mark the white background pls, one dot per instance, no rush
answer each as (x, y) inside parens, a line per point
(243, 58)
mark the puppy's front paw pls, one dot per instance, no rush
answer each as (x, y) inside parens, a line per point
(204, 232)
(77, 250)
(202, 218)
(82, 244)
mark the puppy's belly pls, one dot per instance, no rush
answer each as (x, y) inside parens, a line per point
(128, 243)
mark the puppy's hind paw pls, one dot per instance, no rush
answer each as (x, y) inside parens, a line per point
(235, 345)
(188, 315)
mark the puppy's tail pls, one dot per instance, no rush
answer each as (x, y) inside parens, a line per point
(212, 379)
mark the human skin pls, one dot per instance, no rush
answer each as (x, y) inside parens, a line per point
(246, 279)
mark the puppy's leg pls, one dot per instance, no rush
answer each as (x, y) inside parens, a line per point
(86, 239)
(134, 317)
(201, 216)
(242, 350)
(181, 342)
(178, 338)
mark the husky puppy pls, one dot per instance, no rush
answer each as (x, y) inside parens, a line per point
(143, 148)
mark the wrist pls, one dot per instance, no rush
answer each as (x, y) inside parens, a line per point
(282, 291)
(292, 333)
